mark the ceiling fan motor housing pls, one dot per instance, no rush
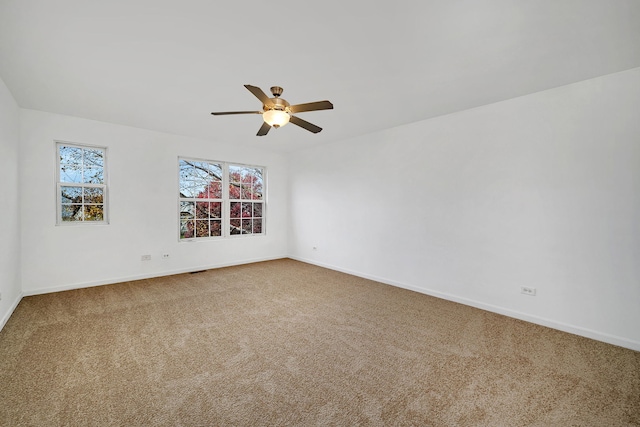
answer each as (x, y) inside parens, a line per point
(277, 104)
(276, 91)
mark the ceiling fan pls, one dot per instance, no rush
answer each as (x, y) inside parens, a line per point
(277, 112)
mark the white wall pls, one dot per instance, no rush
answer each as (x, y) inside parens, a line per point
(540, 191)
(10, 291)
(143, 191)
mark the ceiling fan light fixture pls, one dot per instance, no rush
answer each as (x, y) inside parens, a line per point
(276, 118)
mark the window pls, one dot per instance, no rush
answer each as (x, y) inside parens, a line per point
(81, 188)
(245, 196)
(218, 199)
(200, 199)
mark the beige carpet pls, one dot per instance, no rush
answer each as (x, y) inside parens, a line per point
(286, 343)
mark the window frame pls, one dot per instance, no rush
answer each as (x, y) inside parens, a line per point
(225, 200)
(59, 184)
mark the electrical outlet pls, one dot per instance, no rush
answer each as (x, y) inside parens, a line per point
(528, 291)
(145, 258)
(165, 256)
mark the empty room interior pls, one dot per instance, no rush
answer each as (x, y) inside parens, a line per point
(435, 222)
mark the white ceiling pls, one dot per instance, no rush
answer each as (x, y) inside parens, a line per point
(165, 65)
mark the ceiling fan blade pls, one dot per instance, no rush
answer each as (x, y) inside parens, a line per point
(311, 106)
(264, 129)
(258, 93)
(305, 124)
(224, 113)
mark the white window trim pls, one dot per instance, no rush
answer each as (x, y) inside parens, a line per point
(226, 202)
(58, 185)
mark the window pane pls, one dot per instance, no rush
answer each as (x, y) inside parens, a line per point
(202, 210)
(257, 210)
(247, 176)
(246, 210)
(235, 173)
(257, 188)
(234, 211)
(70, 173)
(234, 191)
(216, 228)
(94, 176)
(200, 171)
(187, 210)
(215, 171)
(70, 194)
(245, 191)
(216, 210)
(202, 228)
(215, 190)
(257, 226)
(198, 189)
(234, 226)
(247, 226)
(186, 229)
(187, 190)
(185, 170)
(93, 158)
(247, 182)
(93, 195)
(70, 155)
(72, 213)
(93, 212)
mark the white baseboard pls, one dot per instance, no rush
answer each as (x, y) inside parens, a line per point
(114, 280)
(8, 314)
(572, 329)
